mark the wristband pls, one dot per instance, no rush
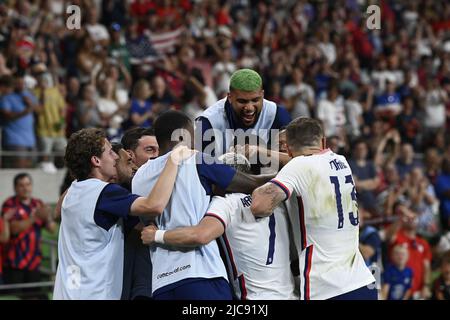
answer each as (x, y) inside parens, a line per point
(159, 236)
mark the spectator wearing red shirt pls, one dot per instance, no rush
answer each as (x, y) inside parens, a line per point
(4, 237)
(404, 232)
(22, 253)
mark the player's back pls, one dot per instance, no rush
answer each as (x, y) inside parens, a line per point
(259, 248)
(187, 206)
(328, 226)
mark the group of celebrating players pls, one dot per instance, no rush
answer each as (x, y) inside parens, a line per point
(207, 224)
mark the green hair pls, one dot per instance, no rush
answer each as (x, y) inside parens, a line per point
(245, 80)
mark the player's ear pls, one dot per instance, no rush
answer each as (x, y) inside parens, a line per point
(95, 161)
(132, 155)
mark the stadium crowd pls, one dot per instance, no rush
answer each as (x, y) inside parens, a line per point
(383, 96)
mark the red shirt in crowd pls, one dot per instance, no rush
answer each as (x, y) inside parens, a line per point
(419, 252)
(23, 250)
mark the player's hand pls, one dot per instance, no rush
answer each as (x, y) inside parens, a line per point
(148, 234)
(181, 153)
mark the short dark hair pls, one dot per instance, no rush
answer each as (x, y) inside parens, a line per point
(116, 146)
(167, 123)
(304, 132)
(21, 176)
(83, 145)
(131, 137)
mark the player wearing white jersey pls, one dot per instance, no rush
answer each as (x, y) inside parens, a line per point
(90, 244)
(258, 249)
(196, 273)
(326, 226)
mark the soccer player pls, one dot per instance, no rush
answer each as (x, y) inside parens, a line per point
(90, 245)
(258, 249)
(244, 108)
(141, 144)
(331, 265)
(137, 268)
(198, 273)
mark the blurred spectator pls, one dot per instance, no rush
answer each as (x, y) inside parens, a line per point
(443, 192)
(89, 58)
(161, 98)
(141, 107)
(423, 201)
(141, 144)
(432, 164)
(407, 161)
(397, 278)
(298, 96)
(109, 108)
(17, 107)
(88, 112)
(51, 120)
(404, 232)
(4, 237)
(388, 104)
(441, 286)
(331, 111)
(23, 251)
(197, 94)
(393, 190)
(408, 123)
(435, 99)
(369, 242)
(354, 112)
(365, 176)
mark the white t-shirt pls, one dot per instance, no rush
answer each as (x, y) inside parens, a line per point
(332, 113)
(259, 248)
(327, 217)
(186, 207)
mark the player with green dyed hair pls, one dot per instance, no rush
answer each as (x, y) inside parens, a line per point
(244, 108)
(246, 80)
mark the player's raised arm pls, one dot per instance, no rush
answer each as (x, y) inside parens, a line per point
(266, 198)
(207, 230)
(158, 198)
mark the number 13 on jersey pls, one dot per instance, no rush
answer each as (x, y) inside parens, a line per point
(337, 188)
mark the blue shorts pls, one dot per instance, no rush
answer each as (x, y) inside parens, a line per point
(195, 289)
(363, 293)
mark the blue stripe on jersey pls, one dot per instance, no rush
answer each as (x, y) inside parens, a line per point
(301, 213)
(306, 286)
(271, 239)
(113, 203)
(282, 186)
(214, 173)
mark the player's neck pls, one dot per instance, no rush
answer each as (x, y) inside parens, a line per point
(308, 151)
